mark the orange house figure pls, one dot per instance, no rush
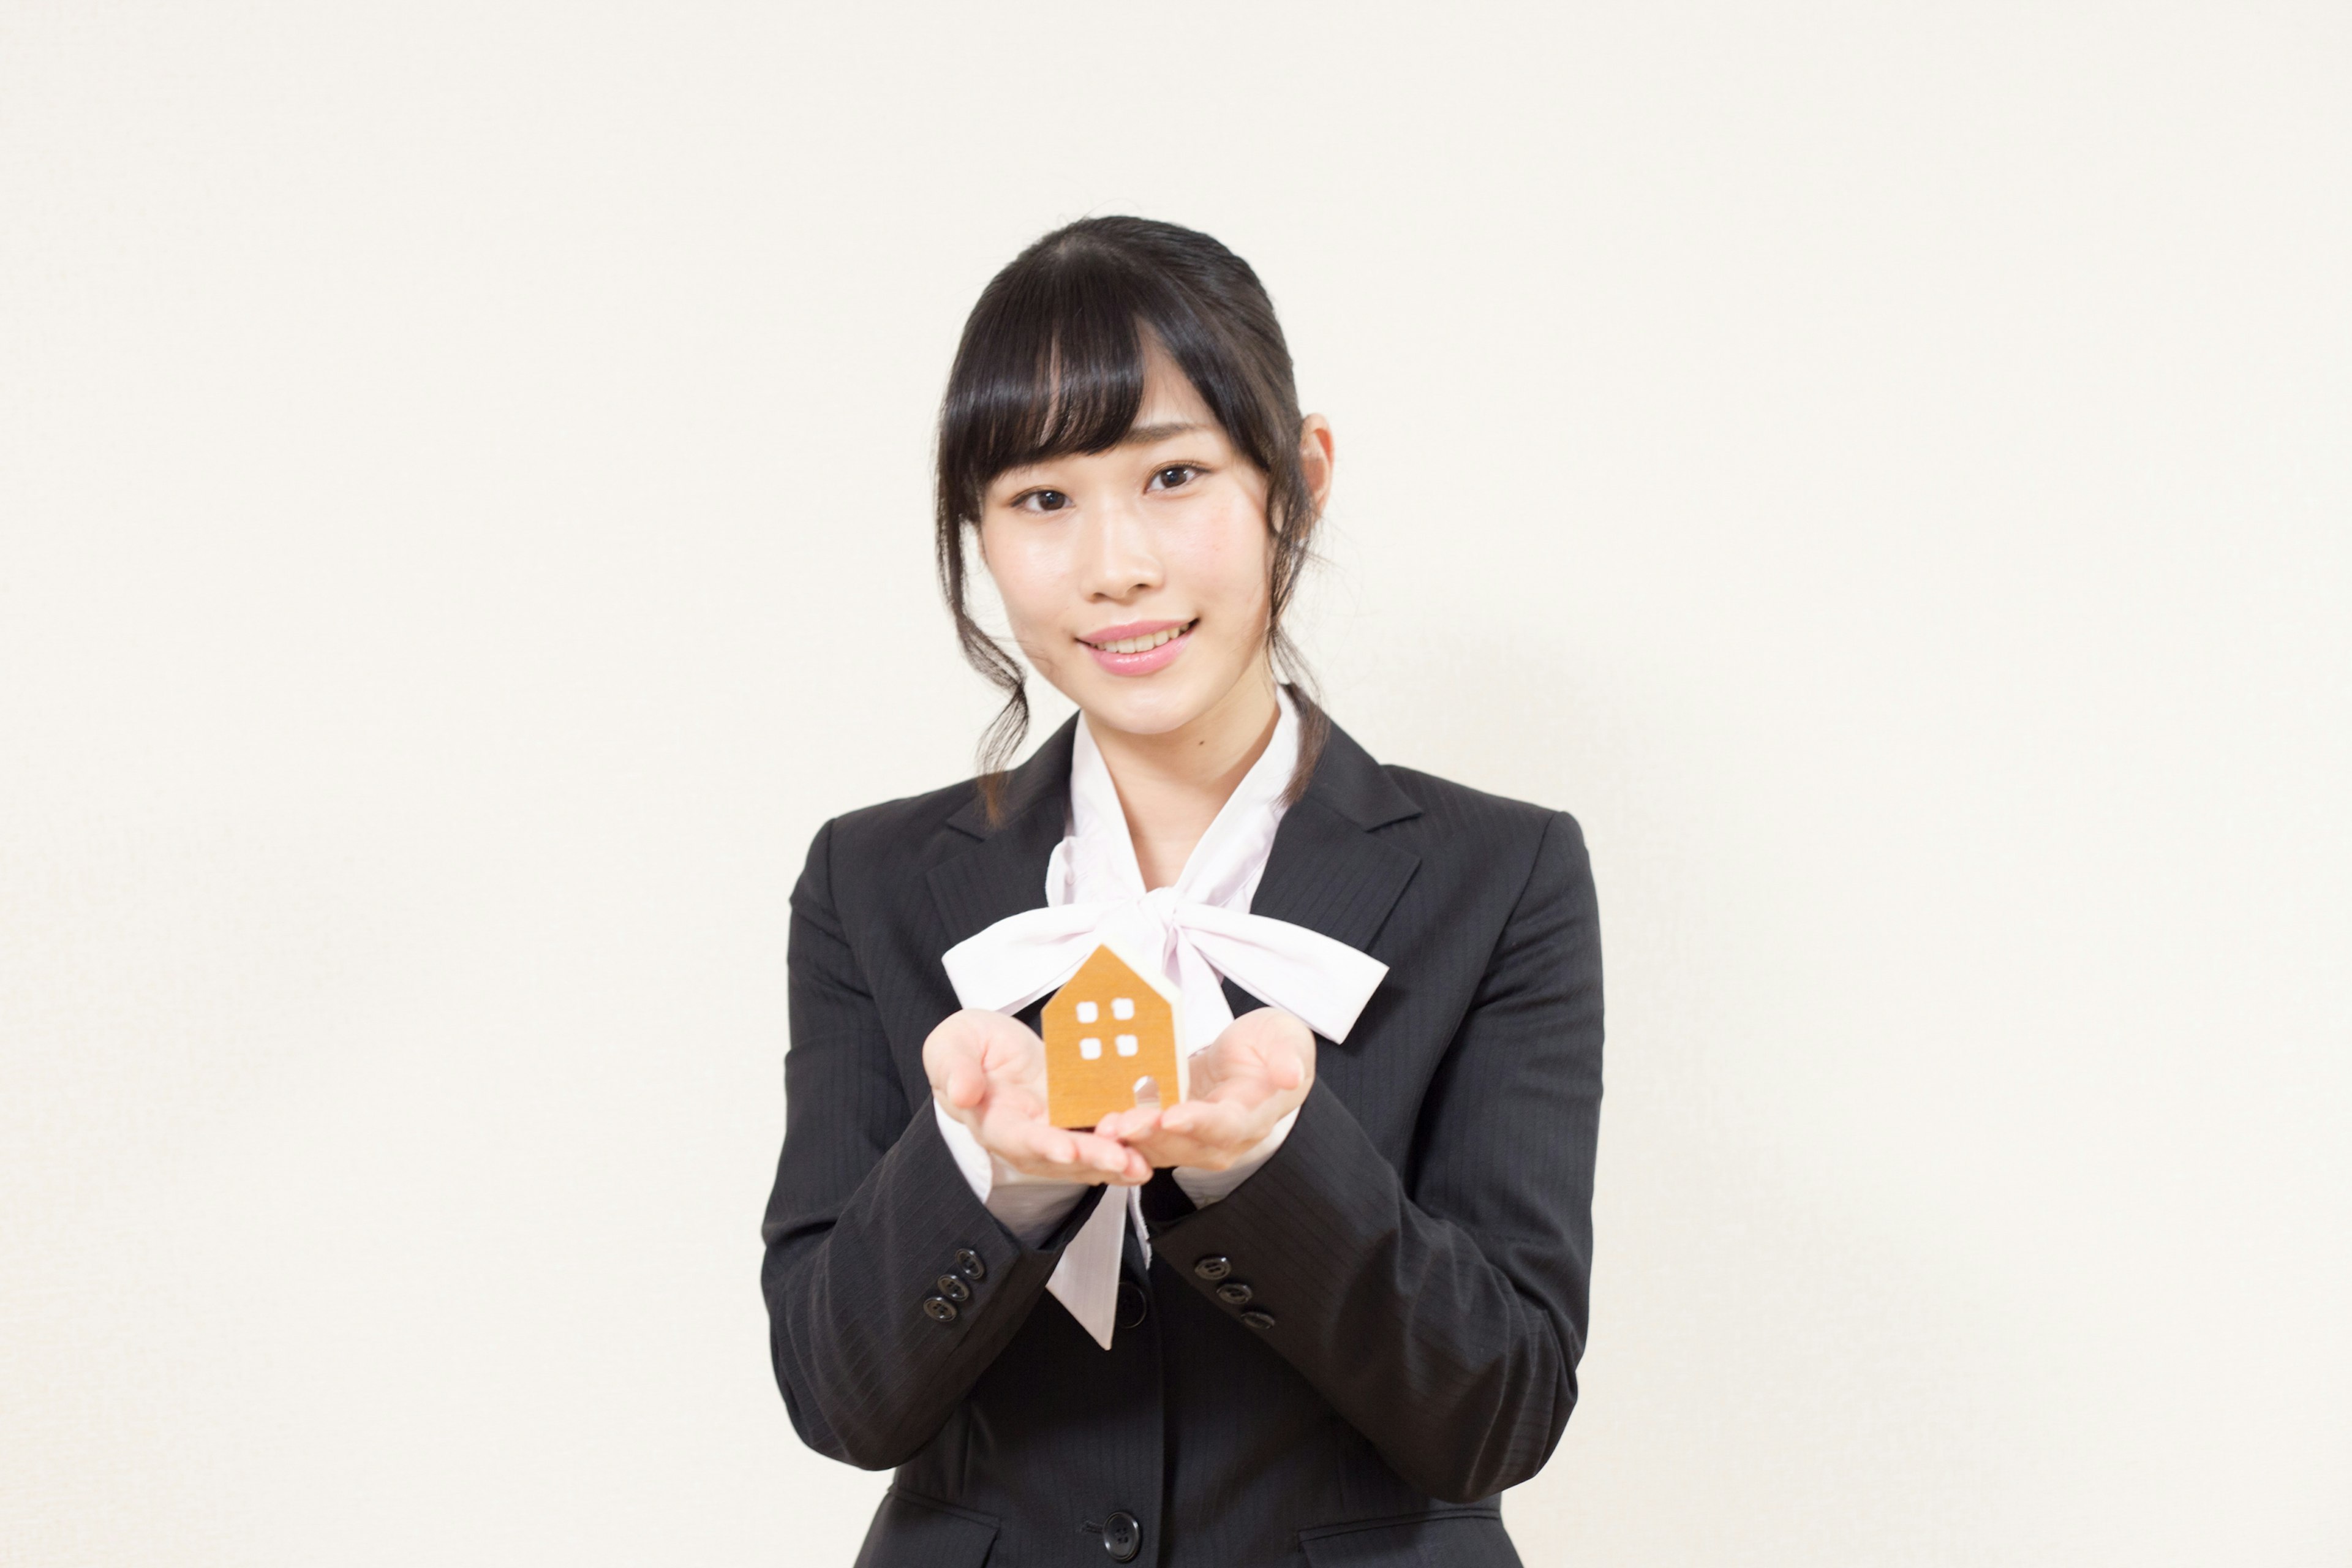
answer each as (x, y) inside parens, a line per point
(1112, 1026)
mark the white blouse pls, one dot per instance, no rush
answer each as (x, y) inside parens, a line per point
(1201, 929)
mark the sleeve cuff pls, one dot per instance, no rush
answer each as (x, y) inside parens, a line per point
(1031, 1208)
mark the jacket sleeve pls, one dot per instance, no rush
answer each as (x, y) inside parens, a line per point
(1443, 1315)
(870, 1218)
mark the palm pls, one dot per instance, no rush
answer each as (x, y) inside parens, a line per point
(1241, 1068)
(988, 1071)
(1254, 1073)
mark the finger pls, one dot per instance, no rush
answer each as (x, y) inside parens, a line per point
(967, 1085)
(1212, 1124)
(1067, 1156)
(1006, 1038)
(1103, 1154)
(1166, 1149)
(1126, 1126)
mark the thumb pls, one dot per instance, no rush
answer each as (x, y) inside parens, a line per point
(966, 1085)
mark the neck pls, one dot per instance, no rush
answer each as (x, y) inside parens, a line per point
(1171, 786)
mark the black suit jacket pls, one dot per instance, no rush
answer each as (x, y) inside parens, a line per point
(1415, 1256)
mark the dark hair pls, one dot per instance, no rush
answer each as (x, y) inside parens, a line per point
(1053, 362)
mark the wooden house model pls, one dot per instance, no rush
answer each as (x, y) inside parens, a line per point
(1112, 1024)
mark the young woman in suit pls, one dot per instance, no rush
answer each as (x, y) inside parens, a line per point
(1322, 1309)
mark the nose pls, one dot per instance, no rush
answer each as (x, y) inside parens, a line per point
(1118, 558)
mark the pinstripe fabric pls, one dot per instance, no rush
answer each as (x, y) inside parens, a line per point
(1420, 1246)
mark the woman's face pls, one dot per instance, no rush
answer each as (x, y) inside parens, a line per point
(1137, 579)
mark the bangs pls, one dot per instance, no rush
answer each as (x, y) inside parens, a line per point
(1058, 368)
(1053, 362)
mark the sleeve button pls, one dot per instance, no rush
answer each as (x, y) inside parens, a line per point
(969, 1264)
(1215, 1267)
(939, 1310)
(954, 1288)
(1233, 1293)
(1258, 1320)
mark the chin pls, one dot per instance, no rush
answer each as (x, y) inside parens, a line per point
(1145, 706)
(1140, 714)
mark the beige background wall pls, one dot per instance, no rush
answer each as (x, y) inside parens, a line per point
(462, 528)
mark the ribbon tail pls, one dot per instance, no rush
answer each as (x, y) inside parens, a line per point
(1085, 1280)
(1321, 979)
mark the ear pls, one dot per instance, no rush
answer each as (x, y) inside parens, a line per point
(1315, 457)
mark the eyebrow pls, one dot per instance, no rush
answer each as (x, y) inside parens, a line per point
(1145, 435)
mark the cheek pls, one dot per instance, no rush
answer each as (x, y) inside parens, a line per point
(1029, 581)
(1228, 569)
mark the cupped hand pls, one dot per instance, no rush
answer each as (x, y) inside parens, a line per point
(989, 1070)
(1251, 1077)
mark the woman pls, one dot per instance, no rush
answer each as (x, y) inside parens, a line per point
(1326, 1306)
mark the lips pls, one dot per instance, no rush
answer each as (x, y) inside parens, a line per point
(1140, 647)
(1135, 636)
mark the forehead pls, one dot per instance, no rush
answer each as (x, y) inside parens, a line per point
(1168, 395)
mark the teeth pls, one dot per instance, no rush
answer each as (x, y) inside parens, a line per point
(1140, 644)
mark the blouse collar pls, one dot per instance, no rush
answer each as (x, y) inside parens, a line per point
(1098, 860)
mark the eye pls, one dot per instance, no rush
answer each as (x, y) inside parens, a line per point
(1041, 501)
(1175, 474)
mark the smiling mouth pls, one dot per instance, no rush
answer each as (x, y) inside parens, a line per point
(1145, 644)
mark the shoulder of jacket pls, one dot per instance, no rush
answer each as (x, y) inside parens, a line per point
(904, 823)
(1448, 806)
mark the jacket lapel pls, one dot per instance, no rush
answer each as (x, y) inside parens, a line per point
(1005, 873)
(1328, 870)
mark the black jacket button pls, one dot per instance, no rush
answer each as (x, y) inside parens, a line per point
(954, 1288)
(968, 1263)
(1122, 1537)
(1258, 1320)
(1213, 1267)
(939, 1308)
(1134, 1304)
(1233, 1293)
